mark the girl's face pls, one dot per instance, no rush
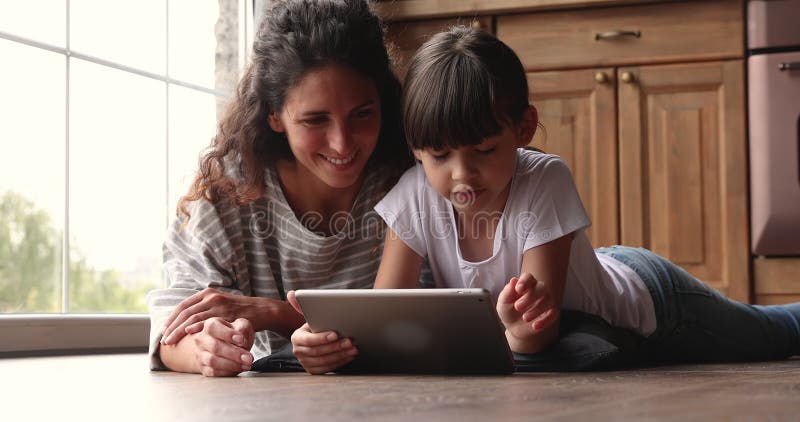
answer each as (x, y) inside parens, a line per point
(332, 118)
(477, 178)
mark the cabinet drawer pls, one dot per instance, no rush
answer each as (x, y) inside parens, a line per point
(667, 32)
(776, 280)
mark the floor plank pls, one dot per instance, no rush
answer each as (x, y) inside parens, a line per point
(119, 387)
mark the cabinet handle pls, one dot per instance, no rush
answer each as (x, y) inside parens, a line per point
(616, 33)
(476, 24)
(601, 77)
(627, 77)
(789, 66)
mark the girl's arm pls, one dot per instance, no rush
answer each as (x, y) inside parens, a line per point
(400, 265)
(530, 305)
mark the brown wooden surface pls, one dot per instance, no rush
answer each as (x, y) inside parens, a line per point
(120, 388)
(405, 38)
(578, 114)
(683, 169)
(777, 276)
(420, 9)
(671, 32)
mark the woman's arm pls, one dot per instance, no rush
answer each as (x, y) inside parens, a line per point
(400, 265)
(529, 305)
(264, 313)
(219, 348)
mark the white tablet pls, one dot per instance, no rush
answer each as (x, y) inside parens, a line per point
(413, 330)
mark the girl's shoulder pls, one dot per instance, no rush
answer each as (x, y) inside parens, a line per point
(535, 163)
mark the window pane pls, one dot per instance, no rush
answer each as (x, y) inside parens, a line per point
(193, 37)
(192, 125)
(117, 187)
(28, 19)
(130, 33)
(32, 114)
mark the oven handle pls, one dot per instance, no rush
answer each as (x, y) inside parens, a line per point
(789, 66)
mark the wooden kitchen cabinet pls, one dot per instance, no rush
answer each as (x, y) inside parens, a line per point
(683, 172)
(577, 111)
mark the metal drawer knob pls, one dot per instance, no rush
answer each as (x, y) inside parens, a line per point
(627, 77)
(601, 77)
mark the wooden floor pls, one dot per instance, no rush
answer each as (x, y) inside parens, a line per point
(120, 387)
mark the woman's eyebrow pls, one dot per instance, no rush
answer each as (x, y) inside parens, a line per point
(315, 113)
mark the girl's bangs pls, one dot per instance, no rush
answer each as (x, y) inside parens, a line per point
(451, 103)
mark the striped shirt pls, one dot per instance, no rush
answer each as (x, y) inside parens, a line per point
(262, 249)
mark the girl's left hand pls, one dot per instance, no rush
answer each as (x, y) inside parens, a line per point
(199, 307)
(526, 306)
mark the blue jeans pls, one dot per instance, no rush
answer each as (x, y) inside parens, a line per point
(695, 323)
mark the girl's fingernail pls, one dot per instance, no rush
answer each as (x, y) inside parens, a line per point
(331, 337)
(238, 339)
(165, 340)
(247, 359)
(245, 367)
(345, 343)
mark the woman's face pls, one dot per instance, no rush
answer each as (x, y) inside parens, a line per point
(332, 118)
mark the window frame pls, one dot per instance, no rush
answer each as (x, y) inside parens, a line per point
(65, 333)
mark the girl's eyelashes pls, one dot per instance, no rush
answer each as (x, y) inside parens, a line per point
(440, 156)
(487, 151)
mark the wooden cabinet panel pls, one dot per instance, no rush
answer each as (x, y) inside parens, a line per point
(669, 32)
(578, 115)
(682, 169)
(777, 280)
(404, 38)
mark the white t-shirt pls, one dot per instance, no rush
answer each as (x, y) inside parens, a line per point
(543, 204)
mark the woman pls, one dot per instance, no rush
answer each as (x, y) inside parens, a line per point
(283, 199)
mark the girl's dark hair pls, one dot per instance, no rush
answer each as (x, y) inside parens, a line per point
(296, 37)
(460, 87)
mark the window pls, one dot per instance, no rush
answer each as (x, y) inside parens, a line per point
(105, 108)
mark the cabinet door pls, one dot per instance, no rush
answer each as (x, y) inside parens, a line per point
(683, 185)
(404, 38)
(578, 112)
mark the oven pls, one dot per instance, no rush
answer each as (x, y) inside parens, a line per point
(774, 125)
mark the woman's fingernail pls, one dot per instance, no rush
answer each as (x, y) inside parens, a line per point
(165, 340)
(352, 352)
(245, 367)
(345, 343)
(331, 337)
(238, 339)
(247, 359)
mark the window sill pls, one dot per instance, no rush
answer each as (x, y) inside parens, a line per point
(37, 334)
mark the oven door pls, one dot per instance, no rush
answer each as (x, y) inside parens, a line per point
(774, 107)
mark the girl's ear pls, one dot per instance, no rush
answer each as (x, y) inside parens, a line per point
(275, 123)
(417, 154)
(527, 127)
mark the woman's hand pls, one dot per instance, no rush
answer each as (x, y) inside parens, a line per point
(526, 307)
(201, 306)
(319, 353)
(222, 348)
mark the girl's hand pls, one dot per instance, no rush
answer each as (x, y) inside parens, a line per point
(199, 307)
(319, 353)
(526, 306)
(223, 348)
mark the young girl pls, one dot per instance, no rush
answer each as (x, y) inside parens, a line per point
(484, 211)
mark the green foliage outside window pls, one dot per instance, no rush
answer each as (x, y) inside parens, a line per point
(30, 268)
